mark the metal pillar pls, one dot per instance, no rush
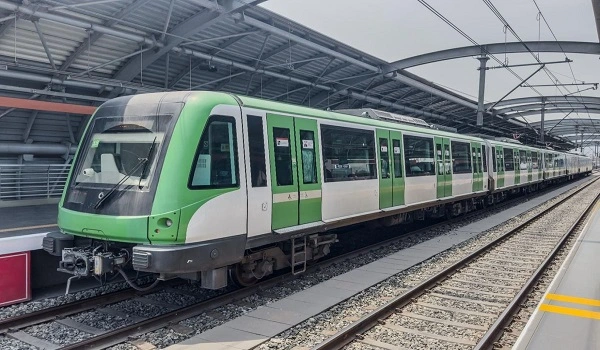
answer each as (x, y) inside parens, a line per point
(542, 130)
(482, 62)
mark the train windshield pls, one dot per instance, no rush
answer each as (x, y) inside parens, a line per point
(121, 151)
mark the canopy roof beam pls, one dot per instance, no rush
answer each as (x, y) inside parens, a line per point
(591, 48)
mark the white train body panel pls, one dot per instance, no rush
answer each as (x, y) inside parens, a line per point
(420, 189)
(349, 198)
(463, 184)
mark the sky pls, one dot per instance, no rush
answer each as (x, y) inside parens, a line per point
(397, 29)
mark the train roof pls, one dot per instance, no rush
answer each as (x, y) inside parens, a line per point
(336, 116)
(151, 101)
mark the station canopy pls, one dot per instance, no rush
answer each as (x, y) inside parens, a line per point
(73, 52)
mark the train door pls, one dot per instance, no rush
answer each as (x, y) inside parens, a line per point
(296, 187)
(485, 169)
(477, 169)
(397, 169)
(529, 167)
(385, 169)
(257, 176)
(500, 166)
(540, 161)
(443, 161)
(517, 165)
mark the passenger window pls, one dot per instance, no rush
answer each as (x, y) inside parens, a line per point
(523, 156)
(309, 161)
(448, 162)
(348, 154)
(397, 154)
(256, 140)
(418, 156)
(534, 160)
(439, 157)
(385, 158)
(494, 160)
(461, 158)
(215, 165)
(475, 161)
(283, 156)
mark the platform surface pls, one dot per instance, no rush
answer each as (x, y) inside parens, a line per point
(568, 316)
(259, 325)
(23, 228)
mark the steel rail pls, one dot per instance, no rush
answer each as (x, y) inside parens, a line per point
(496, 330)
(57, 312)
(67, 309)
(120, 335)
(49, 314)
(354, 330)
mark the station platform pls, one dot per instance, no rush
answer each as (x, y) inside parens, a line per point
(23, 228)
(568, 316)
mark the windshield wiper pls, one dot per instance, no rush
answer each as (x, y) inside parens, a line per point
(146, 163)
(114, 188)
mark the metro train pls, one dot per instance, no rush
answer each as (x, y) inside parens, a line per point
(218, 187)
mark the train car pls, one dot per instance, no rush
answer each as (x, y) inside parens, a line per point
(206, 186)
(513, 167)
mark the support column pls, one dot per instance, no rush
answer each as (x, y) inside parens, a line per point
(542, 130)
(482, 63)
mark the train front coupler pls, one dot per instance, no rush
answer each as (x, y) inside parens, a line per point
(87, 261)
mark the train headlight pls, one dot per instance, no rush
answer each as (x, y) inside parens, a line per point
(169, 222)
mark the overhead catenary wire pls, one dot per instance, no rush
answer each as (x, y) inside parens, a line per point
(564, 53)
(473, 41)
(466, 36)
(552, 77)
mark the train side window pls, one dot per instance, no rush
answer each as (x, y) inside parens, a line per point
(461, 158)
(418, 156)
(215, 163)
(534, 160)
(509, 156)
(283, 156)
(484, 157)
(523, 160)
(495, 159)
(348, 154)
(256, 141)
(397, 154)
(309, 160)
(385, 158)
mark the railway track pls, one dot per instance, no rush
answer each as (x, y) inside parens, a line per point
(470, 303)
(172, 313)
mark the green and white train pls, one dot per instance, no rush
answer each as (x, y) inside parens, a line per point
(206, 185)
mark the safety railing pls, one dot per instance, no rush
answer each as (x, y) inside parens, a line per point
(19, 182)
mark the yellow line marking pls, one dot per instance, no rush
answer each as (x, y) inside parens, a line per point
(26, 228)
(570, 311)
(574, 300)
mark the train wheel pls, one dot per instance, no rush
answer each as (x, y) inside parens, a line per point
(240, 277)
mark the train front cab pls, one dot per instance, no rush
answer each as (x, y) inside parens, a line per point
(115, 210)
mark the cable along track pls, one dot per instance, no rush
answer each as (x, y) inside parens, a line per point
(468, 304)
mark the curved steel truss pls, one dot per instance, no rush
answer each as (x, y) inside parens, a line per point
(67, 51)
